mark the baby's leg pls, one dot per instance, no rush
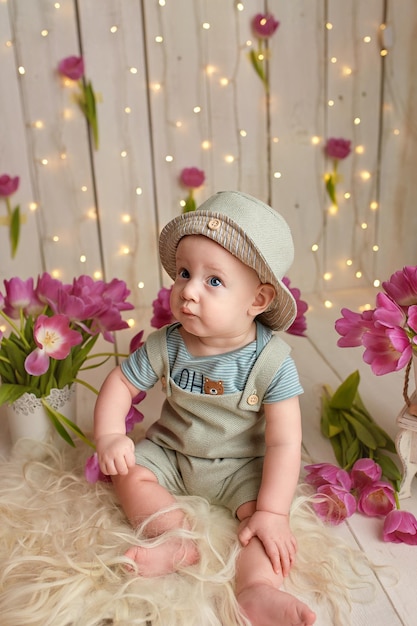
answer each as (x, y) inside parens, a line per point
(258, 587)
(141, 496)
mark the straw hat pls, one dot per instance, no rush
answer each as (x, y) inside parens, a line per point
(250, 230)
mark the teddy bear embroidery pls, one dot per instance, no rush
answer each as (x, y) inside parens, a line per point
(213, 387)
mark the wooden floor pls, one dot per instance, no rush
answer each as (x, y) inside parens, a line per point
(320, 361)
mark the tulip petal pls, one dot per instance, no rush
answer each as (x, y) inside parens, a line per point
(37, 362)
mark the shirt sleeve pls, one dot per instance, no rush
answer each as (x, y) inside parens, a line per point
(138, 370)
(285, 383)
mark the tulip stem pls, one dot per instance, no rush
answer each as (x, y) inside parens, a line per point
(9, 207)
(15, 328)
(87, 385)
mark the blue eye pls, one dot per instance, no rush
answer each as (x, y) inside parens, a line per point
(215, 282)
(184, 273)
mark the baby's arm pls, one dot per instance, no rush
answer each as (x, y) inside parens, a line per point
(270, 522)
(114, 449)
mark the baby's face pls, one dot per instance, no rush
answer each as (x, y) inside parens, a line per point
(214, 292)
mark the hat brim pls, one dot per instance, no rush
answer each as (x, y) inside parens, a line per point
(283, 309)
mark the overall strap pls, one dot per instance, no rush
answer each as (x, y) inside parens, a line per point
(267, 364)
(157, 350)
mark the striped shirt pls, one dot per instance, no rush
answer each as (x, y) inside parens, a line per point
(231, 369)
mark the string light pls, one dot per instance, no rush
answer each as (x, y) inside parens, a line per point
(343, 71)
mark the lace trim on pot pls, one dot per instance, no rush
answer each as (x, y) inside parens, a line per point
(57, 399)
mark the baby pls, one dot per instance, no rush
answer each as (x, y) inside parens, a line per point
(230, 427)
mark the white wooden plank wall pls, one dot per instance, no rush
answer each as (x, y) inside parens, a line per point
(151, 64)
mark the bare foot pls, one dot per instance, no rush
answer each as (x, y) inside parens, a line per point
(164, 558)
(266, 606)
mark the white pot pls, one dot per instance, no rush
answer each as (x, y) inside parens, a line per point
(27, 417)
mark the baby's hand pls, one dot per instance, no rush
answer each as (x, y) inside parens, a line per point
(115, 454)
(274, 532)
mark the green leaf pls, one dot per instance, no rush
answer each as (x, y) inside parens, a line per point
(330, 421)
(371, 426)
(190, 205)
(58, 426)
(81, 352)
(381, 436)
(91, 111)
(353, 453)
(331, 188)
(15, 230)
(9, 393)
(362, 433)
(345, 394)
(60, 420)
(63, 372)
(257, 65)
(389, 468)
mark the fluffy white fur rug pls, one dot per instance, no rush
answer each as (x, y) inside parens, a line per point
(61, 554)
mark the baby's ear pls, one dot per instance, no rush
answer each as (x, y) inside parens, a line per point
(264, 296)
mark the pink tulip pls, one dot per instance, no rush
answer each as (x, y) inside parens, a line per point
(162, 314)
(133, 417)
(364, 472)
(352, 327)
(386, 350)
(108, 322)
(299, 325)
(337, 148)
(388, 313)
(402, 286)
(412, 319)
(376, 499)
(8, 185)
(327, 474)
(264, 26)
(116, 292)
(400, 527)
(48, 288)
(335, 505)
(136, 342)
(192, 177)
(21, 296)
(54, 339)
(72, 67)
(92, 471)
